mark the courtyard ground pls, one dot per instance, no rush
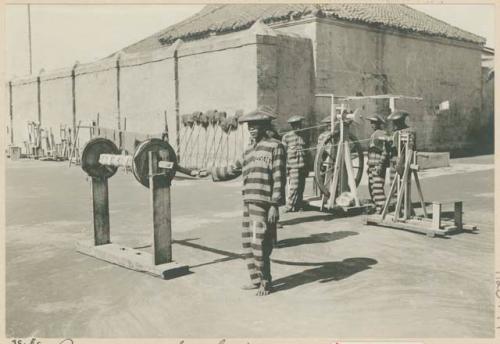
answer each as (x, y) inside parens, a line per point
(334, 276)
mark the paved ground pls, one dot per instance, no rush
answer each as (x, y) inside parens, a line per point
(334, 276)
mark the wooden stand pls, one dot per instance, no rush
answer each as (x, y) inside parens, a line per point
(402, 217)
(343, 174)
(160, 262)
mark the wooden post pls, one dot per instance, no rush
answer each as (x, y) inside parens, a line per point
(350, 176)
(339, 164)
(458, 215)
(177, 110)
(436, 215)
(39, 99)
(166, 125)
(159, 187)
(73, 95)
(11, 114)
(118, 91)
(420, 194)
(100, 200)
(392, 104)
(407, 187)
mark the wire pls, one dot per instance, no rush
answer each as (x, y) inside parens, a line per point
(304, 129)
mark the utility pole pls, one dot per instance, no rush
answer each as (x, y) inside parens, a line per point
(29, 38)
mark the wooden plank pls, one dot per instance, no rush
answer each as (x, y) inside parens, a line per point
(159, 186)
(100, 201)
(436, 215)
(132, 259)
(458, 215)
(408, 206)
(388, 200)
(420, 195)
(350, 176)
(336, 172)
(402, 190)
(409, 226)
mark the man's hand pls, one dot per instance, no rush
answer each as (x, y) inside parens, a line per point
(199, 173)
(273, 215)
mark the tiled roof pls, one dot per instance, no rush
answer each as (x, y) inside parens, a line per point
(224, 18)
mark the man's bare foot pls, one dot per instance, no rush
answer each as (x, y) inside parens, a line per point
(264, 289)
(250, 286)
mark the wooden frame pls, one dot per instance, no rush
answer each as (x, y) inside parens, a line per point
(401, 187)
(159, 263)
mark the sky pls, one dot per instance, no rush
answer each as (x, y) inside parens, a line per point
(64, 34)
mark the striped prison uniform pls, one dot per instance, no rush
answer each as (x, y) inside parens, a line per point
(296, 169)
(397, 157)
(377, 164)
(323, 136)
(263, 171)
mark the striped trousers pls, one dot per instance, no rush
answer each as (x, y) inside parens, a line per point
(257, 240)
(295, 188)
(376, 183)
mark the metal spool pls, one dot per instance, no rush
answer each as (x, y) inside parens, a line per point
(90, 157)
(164, 152)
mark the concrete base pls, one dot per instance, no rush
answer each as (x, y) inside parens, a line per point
(428, 160)
(132, 259)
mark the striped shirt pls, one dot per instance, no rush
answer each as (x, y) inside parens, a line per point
(294, 145)
(377, 154)
(263, 169)
(395, 140)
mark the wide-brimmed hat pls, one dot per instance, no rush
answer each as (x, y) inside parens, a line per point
(295, 119)
(261, 114)
(376, 118)
(398, 115)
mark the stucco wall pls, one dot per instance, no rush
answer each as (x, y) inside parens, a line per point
(357, 61)
(218, 73)
(25, 108)
(286, 77)
(488, 110)
(56, 104)
(146, 93)
(96, 94)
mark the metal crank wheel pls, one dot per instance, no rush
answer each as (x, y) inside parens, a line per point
(90, 157)
(164, 151)
(324, 162)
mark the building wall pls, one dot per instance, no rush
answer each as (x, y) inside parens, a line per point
(488, 101)
(286, 77)
(152, 82)
(25, 109)
(354, 60)
(96, 93)
(216, 74)
(219, 73)
(56, 104)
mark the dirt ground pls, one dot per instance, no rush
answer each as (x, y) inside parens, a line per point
(334, 276)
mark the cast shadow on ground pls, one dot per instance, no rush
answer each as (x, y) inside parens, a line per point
(315, 239)
(313, 218)
(322, 272)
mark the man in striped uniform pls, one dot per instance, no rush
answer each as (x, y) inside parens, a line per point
(377, 163)
(326, 122)
(263, 171)
(295, 164)
(397, 158)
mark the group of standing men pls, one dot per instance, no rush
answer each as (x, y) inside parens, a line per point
(385, 152)
(266, 166)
